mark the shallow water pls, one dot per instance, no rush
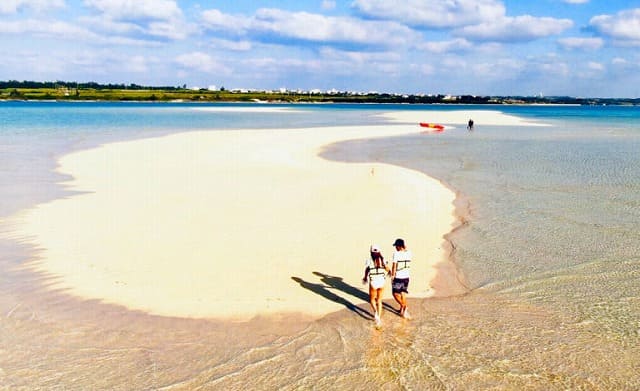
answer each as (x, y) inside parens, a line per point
(549, 249)
(553, 226)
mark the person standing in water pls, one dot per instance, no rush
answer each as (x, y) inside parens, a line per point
(375, 272)
(400, 274)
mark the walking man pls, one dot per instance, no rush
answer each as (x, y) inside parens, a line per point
(400, 274)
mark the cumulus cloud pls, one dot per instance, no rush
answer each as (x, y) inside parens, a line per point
(454, 45)
(45, 28)
(137, 9)
(515, 29)
(152, 18)
(65, 31)
(576, 1)
(217, 21)
(433, 14)
(202, 62)
(285, 26)
(13, 6)
(623, 27)
(581, 43)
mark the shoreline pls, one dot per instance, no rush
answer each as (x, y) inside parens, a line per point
(284, 102)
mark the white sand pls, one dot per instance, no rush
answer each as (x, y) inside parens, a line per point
(459, 118)
(218, 224)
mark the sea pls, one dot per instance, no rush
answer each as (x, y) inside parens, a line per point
(548, 245)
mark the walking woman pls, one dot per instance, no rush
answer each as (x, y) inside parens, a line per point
(400, 274)
(375, 271)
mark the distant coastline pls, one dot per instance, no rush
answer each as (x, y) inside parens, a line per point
(74, 92)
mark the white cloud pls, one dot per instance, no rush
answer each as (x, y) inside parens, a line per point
(46, 29)
(328, 4)
(137, 9)
(358, 57)
(215, 20)
(142, 18)
(581, 43)
(66, 31)
(347, 62)
(515, 29)
(498, 69)
(170, 30)
(236, 46)
(576, 1)
(136, 64)
(110, 25)
(13, 6)
(438, 14)
(454, 45)
(267, 68)
(284, 26)
(595, 66)
(619, 61)
(202, 62)
(83, 65)
(156, 29)
(623, 64)
(551, 65)
(623, 27)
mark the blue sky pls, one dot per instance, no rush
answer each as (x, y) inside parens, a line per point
(588, 48)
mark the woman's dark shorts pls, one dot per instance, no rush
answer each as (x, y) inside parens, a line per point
(399, 285)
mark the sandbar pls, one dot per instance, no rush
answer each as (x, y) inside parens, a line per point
(235, 223)
(459, 117)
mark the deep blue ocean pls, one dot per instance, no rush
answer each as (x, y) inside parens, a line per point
(549, 246)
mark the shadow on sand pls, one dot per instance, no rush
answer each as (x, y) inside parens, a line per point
(330, 283)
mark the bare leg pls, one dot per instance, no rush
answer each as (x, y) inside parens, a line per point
(405, 313)
(372, 299)
(379, 301)
(399, 300)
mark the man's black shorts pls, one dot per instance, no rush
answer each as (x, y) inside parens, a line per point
(399, 285)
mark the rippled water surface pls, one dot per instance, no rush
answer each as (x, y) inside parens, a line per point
(549, 249)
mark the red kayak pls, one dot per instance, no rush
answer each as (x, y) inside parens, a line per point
(438, 127)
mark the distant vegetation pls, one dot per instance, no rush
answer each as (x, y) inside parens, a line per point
(73, 91)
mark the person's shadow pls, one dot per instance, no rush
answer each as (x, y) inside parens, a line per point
(332, 282)
(338, 283)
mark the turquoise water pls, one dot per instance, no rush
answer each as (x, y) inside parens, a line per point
(549, 250)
